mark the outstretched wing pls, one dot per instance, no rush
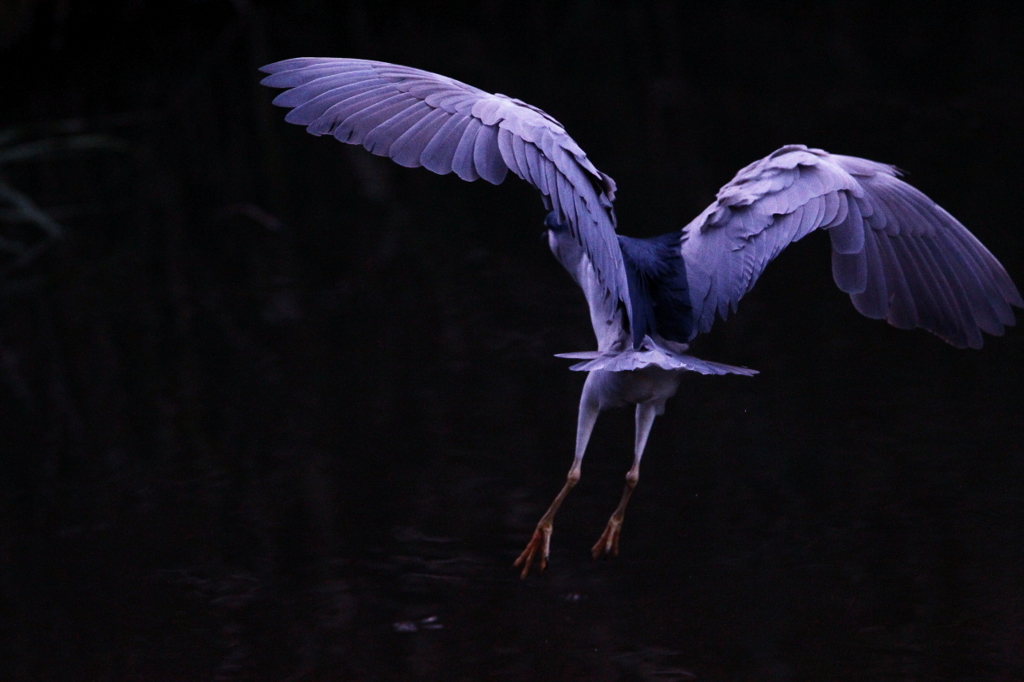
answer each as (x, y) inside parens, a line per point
(419, 118)
(895, 251)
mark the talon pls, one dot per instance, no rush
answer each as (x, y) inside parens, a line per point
(539, 543)
(608, 543)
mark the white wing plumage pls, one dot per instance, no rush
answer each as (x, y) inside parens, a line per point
(418, 118)
(898, 254)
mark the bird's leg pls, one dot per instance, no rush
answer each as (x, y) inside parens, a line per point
(608, 543)
(538, 547)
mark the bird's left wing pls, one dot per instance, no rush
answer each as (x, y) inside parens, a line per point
(897, 253)
(418, 118)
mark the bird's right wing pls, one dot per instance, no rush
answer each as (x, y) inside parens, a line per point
(418, 118)
(898, 254)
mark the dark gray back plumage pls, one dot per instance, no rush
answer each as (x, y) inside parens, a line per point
(658, 288)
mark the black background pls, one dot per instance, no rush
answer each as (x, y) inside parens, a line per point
(272, 408)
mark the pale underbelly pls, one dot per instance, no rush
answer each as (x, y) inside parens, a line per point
(650, 384)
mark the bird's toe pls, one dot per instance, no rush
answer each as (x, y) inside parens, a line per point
(608, 543)
(536, 550)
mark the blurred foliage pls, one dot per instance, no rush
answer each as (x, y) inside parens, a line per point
(18, 247)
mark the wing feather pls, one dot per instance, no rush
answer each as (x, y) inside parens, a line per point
(850, 271)
(462, 162)
(414, 140)
(339, 83)
(873, 300)
(310, 112)
(421, 118)
(379, 139)
(358, 116)
(843, 211)
(439, 153)
(488, 164)
(507, 153)
(899, 255)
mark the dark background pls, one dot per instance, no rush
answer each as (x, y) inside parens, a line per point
(274, 409)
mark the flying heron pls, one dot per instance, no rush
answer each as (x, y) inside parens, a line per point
(897, 254)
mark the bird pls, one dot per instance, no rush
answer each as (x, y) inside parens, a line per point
(897, 254)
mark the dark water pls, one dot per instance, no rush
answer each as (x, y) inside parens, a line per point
(274, 409)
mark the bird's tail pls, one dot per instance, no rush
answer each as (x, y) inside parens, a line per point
(650, 353)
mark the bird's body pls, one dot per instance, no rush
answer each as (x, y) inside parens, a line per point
(897, 254)
(647, 385)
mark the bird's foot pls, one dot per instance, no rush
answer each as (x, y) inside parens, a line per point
(536, 550)
(608, 543)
